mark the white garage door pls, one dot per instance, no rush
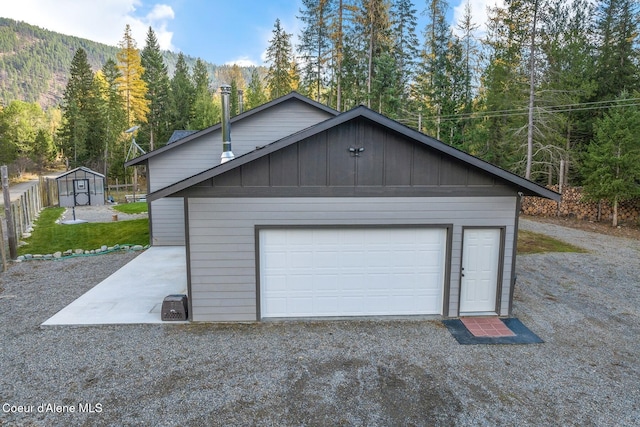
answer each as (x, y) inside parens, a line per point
(351, 271)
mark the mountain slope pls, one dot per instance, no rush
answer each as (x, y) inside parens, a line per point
(34, 62)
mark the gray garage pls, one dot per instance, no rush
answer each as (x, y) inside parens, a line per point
(355, 216)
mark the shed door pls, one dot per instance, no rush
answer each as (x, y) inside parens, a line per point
(351, 271)
(480, 263)
(81, 195)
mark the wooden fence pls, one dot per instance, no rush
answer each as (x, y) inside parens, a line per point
(25, 209)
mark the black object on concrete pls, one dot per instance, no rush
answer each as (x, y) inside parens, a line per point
(174, 307)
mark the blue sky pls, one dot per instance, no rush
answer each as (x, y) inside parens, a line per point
(216, 31)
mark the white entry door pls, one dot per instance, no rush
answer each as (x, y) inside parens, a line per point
(480, 262)
(351, 271)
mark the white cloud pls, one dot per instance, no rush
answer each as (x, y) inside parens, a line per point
(101, 21)
(479, 14)
(243, 61)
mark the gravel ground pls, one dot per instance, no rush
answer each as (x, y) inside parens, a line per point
(402, 372)
(98, 214)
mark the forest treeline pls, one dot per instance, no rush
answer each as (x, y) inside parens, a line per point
(550, 91)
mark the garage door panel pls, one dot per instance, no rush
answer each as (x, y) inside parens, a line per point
(351, 272)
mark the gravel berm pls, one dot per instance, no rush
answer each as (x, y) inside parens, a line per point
(585, 306)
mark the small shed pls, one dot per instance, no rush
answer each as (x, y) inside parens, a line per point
(80, 187)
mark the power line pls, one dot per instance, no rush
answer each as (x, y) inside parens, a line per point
(583, 106)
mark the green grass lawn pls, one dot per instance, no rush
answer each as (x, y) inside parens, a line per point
(132, 208)
(49, 237)
(536, 243)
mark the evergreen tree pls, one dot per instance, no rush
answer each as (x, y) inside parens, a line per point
(74, 130)
(470, 55)
(314, 47)
(114, 119)
(94, 108)
(373, 28)
(618, 55)
(156, 77)
(280, 76)
(205, 112)
(612, 162)
(468, 73)
(337, 40)
(433, 83)
(182, 95)
(42, 150)
(405, 47)
(131, 84)
(567, 79)
(255, 94)
(504, 89)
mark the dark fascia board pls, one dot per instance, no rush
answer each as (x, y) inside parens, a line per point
(292, 95)
(524, 185)
(80, 168)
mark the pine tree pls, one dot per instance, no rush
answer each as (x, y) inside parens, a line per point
(74, 130)
(205, 112)
(182, 95)
(255, 93)
(433, 85)
(617, 57)
(314, 47)
(280, 76)
(405, 46)
(337, 40)
(156, 77)
(131, 84)
(114, 119)
(373, 26)
(42, 150)
(504, 88)
(567, 79)
(470, 55)
(612, 162)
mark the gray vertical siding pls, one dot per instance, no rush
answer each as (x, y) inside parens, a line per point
(222, 239)
(204, 153)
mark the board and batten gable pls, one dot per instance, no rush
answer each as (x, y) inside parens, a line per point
(203, 151)
(320, 181)
(358, 158)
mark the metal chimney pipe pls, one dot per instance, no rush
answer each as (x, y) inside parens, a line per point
(227, 154)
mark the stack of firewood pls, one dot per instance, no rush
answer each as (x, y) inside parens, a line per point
(574, 205)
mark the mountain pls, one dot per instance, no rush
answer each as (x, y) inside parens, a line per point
(34, 62)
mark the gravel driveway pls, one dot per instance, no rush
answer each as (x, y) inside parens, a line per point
(403, 372)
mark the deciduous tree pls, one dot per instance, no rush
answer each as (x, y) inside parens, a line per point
(131, 84)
